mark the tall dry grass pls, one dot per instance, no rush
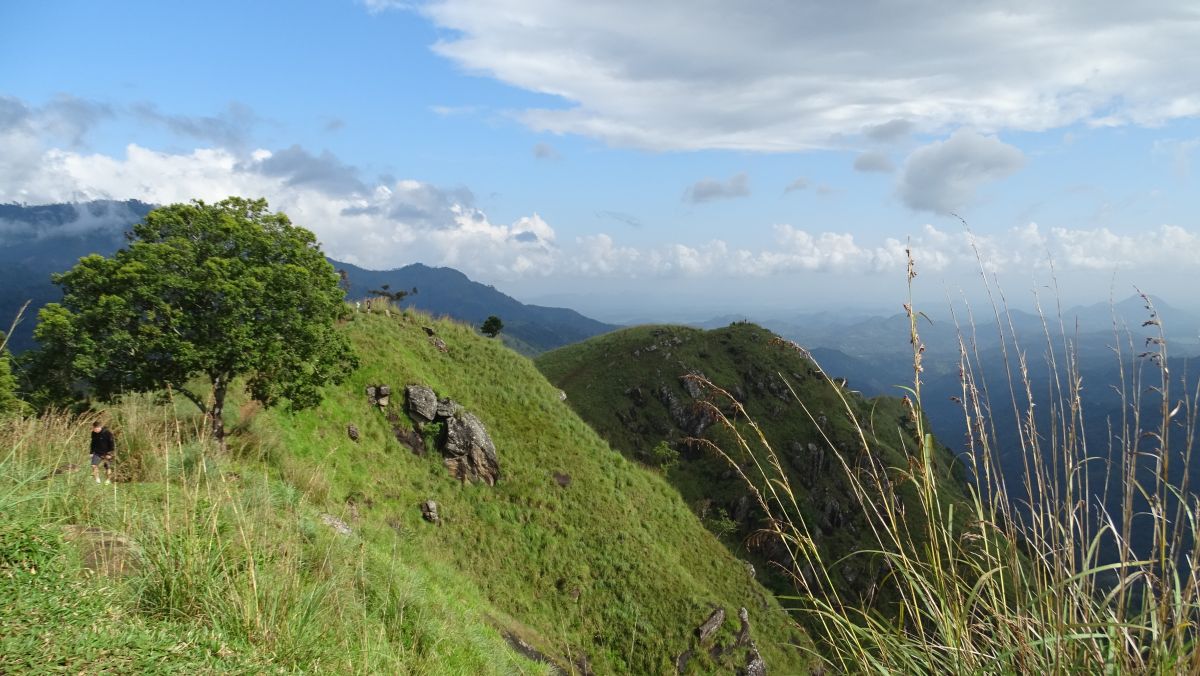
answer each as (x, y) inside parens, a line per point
(228, 553)
(1030, 573)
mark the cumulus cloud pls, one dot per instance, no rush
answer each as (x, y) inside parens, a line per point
(943, 176)
(710, 189)
(392, 223)
(298, 167)
(803, 74)
(874, 161)
(380, 226)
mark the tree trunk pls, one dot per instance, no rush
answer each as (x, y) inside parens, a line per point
(216, 413)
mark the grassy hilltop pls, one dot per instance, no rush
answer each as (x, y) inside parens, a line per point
(632, 387)
(236, 569)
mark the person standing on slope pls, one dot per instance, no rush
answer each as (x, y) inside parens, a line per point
(102, 452)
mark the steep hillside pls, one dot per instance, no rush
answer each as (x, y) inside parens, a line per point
(575, 556)
(585, 554)
(446, 291)
(631, 386)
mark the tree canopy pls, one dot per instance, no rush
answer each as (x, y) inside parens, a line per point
(492, 326)
(202, 290)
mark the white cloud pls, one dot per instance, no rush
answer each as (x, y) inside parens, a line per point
(797, 75)
(377, 226)
(943, 176)
(390, 223)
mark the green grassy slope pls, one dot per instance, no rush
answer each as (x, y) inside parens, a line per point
(229, 569)
(613, 566)
(622, 383)
(238, 572)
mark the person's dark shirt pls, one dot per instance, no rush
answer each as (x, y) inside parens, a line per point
(102, 442)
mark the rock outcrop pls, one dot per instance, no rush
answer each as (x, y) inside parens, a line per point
(692, 420)
(710, 626)
(379, 395)
(468, 449)
(469, 452)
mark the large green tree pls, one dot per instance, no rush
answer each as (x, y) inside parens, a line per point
(203, 292)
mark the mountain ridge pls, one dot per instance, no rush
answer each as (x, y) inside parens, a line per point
(39, 240)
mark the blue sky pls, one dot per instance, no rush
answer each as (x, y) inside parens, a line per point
(690, 158)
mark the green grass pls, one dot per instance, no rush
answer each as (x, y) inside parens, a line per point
(614, 566)
(235, 571)
(602, 377)
(238, 573)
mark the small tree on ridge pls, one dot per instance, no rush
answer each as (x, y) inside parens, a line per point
(214, 290)
(492, 326)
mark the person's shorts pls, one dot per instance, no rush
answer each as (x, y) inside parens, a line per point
(98, 459)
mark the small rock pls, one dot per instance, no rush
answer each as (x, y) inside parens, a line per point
(377, 395)
(706, 630)
(429, 331)
(750, 569)
(422, 402)
(743, 635)
(352, 432)
(439, 344)
(562, 479)
(336, 524)
(429, 511)
(562, 395)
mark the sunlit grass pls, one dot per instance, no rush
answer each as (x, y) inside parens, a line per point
(1015, 579)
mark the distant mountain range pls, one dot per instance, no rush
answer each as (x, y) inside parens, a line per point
(39, 240)
(446, 291)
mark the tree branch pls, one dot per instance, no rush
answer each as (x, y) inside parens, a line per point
(192, 397)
